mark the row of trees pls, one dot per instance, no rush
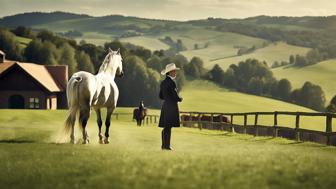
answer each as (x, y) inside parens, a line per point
(312, 57)
(255, 77)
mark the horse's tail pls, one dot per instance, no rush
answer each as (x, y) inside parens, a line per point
(73, 102)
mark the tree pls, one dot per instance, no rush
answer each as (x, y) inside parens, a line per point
(155, 63)
(291, 59)
(67, 57)
(10, 45)
(96, 54)
(310, 95)
(84, 62)
(255, 86)
(284, 89)
(216, 74)
(139, 83)
(332, 106)
(23, 32)
(195, 67)
(39, 52)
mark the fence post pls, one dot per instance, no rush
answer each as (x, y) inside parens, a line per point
(154, 119)
(211, 121)
(275, 134)
(297, 127)
(231, 121)
(151, 121)
(199, 122)
(221, 121)
(245, 123)
(256, 124)
(328, 128)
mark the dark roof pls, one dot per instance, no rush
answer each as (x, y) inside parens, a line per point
(39, 72)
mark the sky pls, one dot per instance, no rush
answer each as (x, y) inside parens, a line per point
(175, 9)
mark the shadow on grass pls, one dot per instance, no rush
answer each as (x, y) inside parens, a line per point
(16, 141)
(217, 134)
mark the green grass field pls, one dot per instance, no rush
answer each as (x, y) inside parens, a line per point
(30, 157)
(322, 74)
(23, 41)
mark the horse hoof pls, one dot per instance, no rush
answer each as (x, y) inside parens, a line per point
(101, 141)
(86, 141)
(72, 141)
(106, 141)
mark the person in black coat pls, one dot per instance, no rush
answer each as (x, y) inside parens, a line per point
(169, 116)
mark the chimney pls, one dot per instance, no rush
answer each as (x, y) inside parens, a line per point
(2, 57)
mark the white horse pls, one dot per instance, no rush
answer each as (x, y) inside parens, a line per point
(85, 90)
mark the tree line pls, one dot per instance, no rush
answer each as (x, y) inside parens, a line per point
(255, 77)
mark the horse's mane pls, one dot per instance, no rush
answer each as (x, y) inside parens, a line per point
(103, 66)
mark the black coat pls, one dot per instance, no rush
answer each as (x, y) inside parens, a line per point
(170, 116)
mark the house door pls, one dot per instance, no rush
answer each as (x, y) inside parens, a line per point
(16, 102)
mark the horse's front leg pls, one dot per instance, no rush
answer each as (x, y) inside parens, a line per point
(99, 123)
(107, 124)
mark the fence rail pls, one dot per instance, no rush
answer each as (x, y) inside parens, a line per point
(151, 118)
(190, 119)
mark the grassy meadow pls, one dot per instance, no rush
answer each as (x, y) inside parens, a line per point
(31, 157)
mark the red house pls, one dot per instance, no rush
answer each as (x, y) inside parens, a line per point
(32, 86)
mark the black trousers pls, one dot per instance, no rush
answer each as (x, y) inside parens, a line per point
(166, 134)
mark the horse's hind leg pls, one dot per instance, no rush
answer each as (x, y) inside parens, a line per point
(107, 124)
(84, 115)
(99, 123)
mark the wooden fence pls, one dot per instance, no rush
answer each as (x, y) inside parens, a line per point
(194, 119)
(148, 119)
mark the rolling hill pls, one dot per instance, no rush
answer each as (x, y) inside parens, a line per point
(323, 74)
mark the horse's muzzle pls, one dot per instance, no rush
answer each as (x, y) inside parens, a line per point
(121, 74)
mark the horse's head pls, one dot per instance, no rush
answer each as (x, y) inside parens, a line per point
(116, 60)
(112, 63)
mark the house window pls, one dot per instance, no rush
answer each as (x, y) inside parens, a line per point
(34, 103)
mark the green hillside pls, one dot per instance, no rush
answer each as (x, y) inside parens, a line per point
(204, 96)
(323, 74)
(279, 51)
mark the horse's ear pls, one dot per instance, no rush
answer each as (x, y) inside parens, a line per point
(110, 50)
(118, 51)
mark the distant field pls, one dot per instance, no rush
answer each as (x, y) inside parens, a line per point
(148, 42)
(95, 38)
(206, 97)
(23, 41)
(323, 74)
(274, 52)
(31, 158)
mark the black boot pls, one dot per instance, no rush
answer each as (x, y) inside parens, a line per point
(163, 139)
